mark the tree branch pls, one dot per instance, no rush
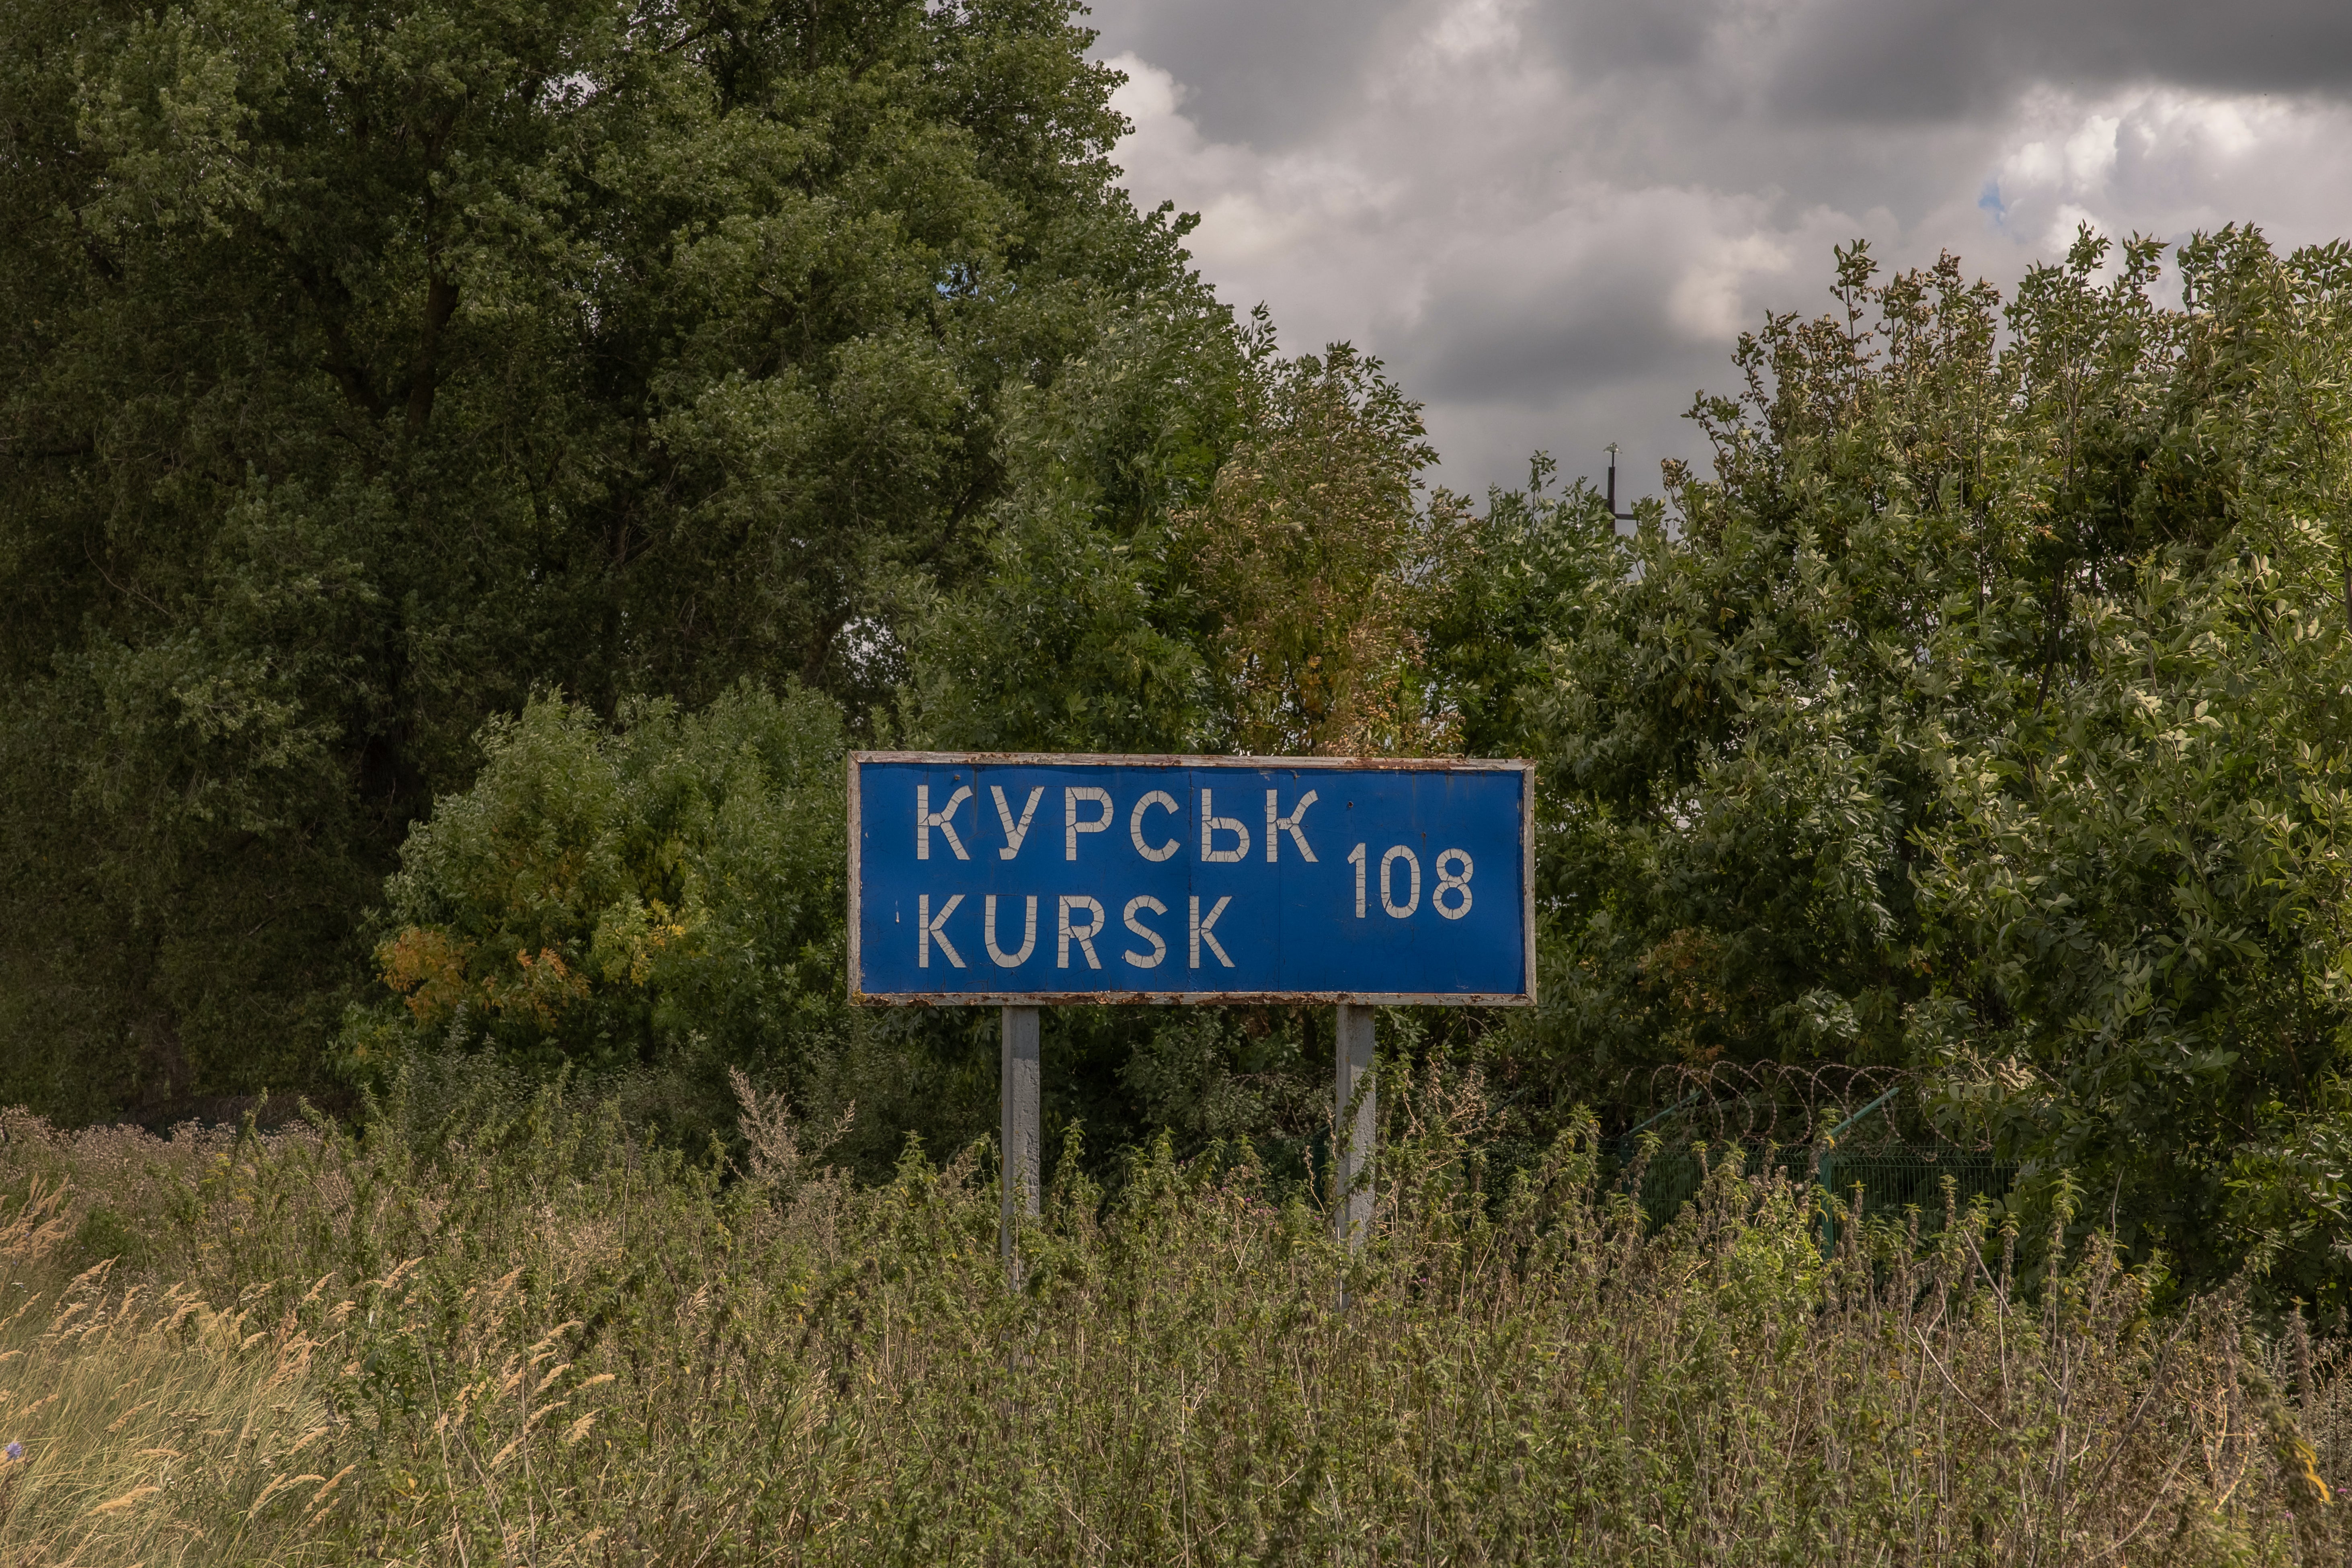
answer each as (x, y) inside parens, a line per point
(440, 304)
(340, 361)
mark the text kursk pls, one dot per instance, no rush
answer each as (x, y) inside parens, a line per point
(1158, 828)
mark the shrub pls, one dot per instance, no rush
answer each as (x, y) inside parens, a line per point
(663, 890)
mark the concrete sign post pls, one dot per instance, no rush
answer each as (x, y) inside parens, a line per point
(1027, 881)
(1018, 1130)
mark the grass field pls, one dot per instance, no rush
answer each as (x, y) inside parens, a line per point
(498, 1328)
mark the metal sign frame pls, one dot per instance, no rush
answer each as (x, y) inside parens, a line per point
(1203, 998)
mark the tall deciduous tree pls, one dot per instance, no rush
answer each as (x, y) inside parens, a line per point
(370, 366)
(1319, 552)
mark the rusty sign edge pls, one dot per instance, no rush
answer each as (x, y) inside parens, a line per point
(1520, 765)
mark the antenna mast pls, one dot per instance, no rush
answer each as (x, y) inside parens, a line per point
(1620, 516)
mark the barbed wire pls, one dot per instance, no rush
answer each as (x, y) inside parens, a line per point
(1788, 1104)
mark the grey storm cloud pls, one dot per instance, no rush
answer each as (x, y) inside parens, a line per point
(1577, 303)
(1552, 219)
(1256, 72)
(1867, 59)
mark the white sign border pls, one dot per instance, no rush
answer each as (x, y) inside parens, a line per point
(1203, 998)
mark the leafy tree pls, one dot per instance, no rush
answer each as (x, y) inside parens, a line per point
(371, 366)
(1513, 577)
(1081, 633)
(1982, 714)
(1314, 551)
(2138, 902)
(1262, 582)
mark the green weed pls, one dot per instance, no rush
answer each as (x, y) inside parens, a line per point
(512, 1331)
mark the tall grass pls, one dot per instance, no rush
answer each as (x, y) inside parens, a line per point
(498, 1328)
(150, 1429)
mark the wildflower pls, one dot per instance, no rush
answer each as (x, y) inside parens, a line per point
(14, 1451)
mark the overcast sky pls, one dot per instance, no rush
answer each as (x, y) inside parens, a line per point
(1551, 217)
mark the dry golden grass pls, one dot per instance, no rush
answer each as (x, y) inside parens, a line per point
(148, 1427)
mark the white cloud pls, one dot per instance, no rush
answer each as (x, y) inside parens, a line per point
(2165, 161)
(1480, 27)
(1253, 208)
(1709, 302)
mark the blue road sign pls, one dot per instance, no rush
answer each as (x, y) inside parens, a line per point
(1026, 879)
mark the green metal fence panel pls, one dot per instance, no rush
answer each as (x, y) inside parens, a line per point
(1893, 1178)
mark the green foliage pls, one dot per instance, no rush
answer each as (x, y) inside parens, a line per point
(500, 1318)
(1317, 557)
(1513, 579)
(1983, 715)
(1079, 635)
(1258, 578)
(666, 890)
(372, 367)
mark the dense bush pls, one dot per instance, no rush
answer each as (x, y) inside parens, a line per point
(665, 889)
(1984, 714)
